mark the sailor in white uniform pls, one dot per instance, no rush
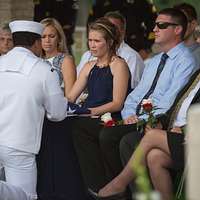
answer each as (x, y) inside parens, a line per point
(29, 89)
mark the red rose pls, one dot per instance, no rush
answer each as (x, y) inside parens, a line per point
(110, 123)
(147, 107)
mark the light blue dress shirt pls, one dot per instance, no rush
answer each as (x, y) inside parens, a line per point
(178, 68)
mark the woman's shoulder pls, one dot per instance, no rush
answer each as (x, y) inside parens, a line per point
(66, 56)
(90, 64)
(118, 62)
(62, 56)
(88, 67)
(67, 60)
(58, 59)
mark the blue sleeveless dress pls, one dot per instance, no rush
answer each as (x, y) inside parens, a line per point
(59, 176)
(100, 88)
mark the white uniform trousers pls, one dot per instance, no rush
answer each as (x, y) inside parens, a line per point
(20, 175)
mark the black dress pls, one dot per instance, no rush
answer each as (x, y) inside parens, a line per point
(100, 88)
(59, 176)
(176, 147)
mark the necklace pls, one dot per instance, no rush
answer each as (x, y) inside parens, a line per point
(102, 64)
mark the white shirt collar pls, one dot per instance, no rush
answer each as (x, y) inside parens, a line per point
(19, 60)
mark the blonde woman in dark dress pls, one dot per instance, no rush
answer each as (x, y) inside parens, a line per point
(58, 170)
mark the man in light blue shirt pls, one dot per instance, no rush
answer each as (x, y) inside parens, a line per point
(170, 27)
(178, 68)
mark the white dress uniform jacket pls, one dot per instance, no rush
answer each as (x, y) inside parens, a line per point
(28, 89)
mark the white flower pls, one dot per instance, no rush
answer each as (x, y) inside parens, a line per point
(147, 101)
(106, 117)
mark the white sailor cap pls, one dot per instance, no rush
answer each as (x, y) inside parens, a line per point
(26, 26)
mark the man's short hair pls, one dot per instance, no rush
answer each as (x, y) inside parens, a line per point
(188, 10)
(178, 17)
(117, 15)
(26, 39)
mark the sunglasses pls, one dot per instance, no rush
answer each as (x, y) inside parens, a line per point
(164, 25)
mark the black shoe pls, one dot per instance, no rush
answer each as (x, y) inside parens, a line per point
(118, 196)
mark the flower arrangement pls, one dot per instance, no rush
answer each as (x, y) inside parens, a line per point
(149, 110)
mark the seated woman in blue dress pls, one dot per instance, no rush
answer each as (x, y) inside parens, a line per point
(107, 81)
(59, 176)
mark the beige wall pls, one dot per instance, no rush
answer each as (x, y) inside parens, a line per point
(193, 149)
(16, 9)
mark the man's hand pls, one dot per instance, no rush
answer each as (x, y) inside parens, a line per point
(131, 120)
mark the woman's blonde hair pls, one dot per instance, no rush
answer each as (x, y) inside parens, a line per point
(62, 47)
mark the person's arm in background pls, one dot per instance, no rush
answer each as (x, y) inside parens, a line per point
(69, 73)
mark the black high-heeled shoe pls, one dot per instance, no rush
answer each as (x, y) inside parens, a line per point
(118, 196)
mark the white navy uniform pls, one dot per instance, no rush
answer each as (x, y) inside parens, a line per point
(132, 58)
(28, 89)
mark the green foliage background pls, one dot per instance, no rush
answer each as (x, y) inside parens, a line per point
(160, 4)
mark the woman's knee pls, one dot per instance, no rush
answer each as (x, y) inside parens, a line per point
(154, 138)
(154, 159)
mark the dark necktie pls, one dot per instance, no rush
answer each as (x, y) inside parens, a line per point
(150, 91)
